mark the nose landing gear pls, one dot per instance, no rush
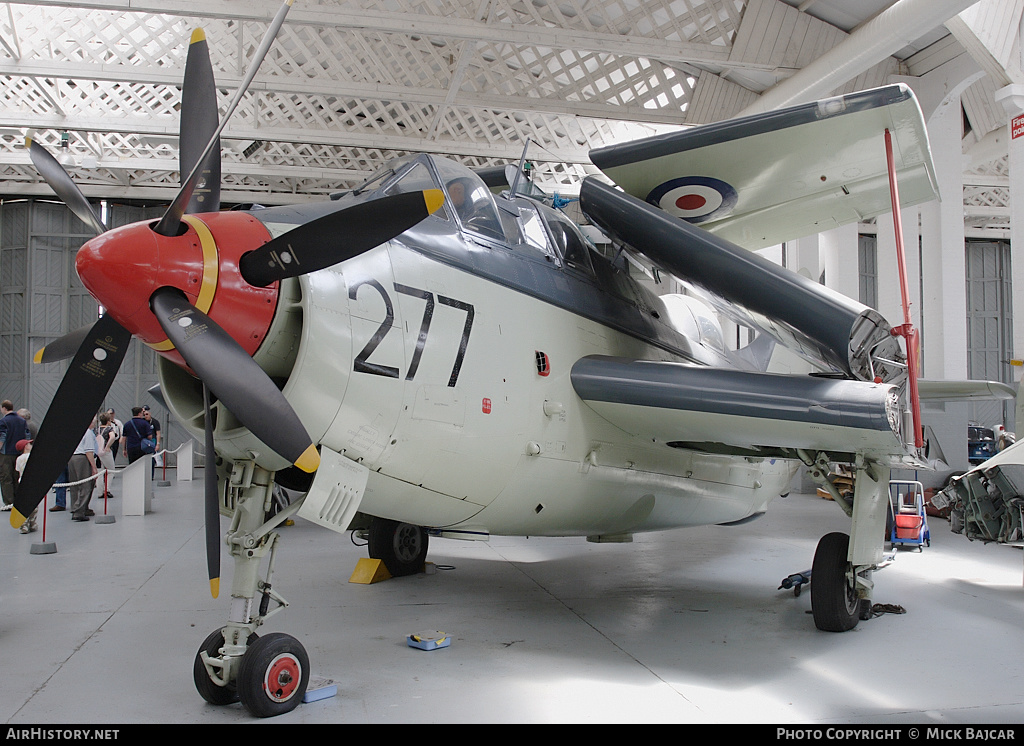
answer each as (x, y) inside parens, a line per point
(268, 674)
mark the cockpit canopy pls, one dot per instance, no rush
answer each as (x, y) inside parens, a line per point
(523, 224)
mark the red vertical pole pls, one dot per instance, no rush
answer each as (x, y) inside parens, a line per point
(907, 331)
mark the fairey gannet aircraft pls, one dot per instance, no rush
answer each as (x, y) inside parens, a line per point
(421, 358)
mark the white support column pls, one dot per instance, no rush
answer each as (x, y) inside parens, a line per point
(944, 327)
(1012, 99)
(839, 255)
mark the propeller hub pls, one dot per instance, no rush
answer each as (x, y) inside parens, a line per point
(122, 268)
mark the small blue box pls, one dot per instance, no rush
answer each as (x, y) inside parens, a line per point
(319, 689)
(430, 640)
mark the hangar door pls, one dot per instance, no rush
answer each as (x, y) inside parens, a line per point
(989, 326)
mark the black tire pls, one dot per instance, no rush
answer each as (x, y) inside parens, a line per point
(215, 695)
(834, 602)
(401, 546)
(273, 676)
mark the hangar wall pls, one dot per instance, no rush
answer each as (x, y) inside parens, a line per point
(41, 299)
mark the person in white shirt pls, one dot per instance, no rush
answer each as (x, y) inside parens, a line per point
(82, 465)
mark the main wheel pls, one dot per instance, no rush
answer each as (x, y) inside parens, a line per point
(215, 695)
(273, 676)
(402, 546)
(834, 601)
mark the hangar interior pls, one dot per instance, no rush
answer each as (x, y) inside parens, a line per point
(351, 83)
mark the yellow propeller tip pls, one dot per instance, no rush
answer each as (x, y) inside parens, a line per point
(197, 36)
(433, 198)
(215, 587)
(28, 142)
(16, 518)
(38, 357)
(309, 461)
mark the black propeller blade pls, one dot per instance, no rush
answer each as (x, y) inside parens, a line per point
(211, 502)
(234, 377)
(198, 126)
(63, 348)
(76, 402)
(336, 237)
(60, 182)
(171, 220)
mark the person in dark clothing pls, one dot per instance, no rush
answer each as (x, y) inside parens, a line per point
(135, 431)
(12, 429)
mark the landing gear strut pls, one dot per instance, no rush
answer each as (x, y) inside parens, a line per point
(841, 576)
(267, 674)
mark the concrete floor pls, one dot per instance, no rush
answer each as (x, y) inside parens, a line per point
(684, 626)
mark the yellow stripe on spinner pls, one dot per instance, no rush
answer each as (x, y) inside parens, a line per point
(309, 461)
(211, 274)
(211, 263)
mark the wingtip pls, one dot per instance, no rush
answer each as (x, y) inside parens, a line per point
(433, 198)
(309, 461)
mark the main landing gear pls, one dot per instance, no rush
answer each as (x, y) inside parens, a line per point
(401, 546)
(841, 575)
(268, 674)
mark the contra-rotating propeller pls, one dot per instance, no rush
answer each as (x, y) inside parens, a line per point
(227, 371)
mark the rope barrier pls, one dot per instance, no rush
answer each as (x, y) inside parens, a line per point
(116, 472)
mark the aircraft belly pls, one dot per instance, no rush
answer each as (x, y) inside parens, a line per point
(553, 497)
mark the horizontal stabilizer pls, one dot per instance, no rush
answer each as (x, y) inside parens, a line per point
(963, 390)
(784, 174)
(699, 407)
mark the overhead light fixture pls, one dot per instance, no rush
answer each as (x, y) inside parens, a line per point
(155, 141)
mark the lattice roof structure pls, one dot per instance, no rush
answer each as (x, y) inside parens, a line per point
(350, 83)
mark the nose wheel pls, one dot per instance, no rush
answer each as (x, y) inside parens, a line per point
(273, 676)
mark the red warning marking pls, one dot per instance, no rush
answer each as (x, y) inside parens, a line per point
(486, 406)
(691, 202)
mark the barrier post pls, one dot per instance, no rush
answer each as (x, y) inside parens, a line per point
(163, 467)
(183, 461)
(106, 517)
(44, 546)
(137, 496)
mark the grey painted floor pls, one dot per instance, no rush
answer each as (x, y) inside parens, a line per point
(684, 626)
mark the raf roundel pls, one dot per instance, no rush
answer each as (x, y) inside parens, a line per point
(696, 199)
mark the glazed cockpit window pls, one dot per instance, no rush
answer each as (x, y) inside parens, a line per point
(416, 179)
(470, 199)
(569, 242)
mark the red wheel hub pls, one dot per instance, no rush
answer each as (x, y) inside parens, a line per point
(282, 677)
